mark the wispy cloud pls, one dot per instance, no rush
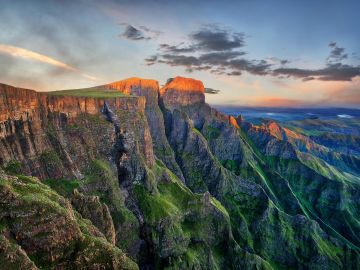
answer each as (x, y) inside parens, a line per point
(34, 56)
(337, 53)
(139, 33)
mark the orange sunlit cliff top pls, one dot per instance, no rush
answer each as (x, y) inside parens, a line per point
(126, 86)
(184, 85)
(181, 91)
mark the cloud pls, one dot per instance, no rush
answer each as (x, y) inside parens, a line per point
(133, 33)
(211, 91)
(337, 54)
(334, 69)
(212, 49)
(151, 60)
(213, 38)
(34, 56)
(216, 62)
(209, 38)
(176, 48)
(140, 33)
(153, 32)
(332, 72)
(221, 52)
(277, 61)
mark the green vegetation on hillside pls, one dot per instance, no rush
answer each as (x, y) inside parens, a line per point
(89, 92)
(44, 229)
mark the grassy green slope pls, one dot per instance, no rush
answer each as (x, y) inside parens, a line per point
(94, 92)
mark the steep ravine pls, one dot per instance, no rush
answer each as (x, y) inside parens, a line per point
(161, 177)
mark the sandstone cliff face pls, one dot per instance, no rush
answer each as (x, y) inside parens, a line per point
(151, 91)
(70, 137)
(48, 127)
(138, 87)
(182, 92)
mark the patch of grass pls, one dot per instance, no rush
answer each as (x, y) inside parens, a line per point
(51, 160)
(211, 133)
(231, 165)
(195, 130)
(219, 206)
(32, 192)
(89, 92)
(62, 186)
(13, 167)
(154, 207)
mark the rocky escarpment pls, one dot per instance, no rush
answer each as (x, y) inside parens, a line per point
(98, 213)
(257, 221)
(181, 91)
(177, 183)
(151, 91)
(270, 134)
(314, 174)
(68, 142)
(40, 130)
(40, 229)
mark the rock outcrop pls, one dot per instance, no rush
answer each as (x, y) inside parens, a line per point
(151, 91)
(98, 213)
(41, 131)
(181, 91)
(137, 87)
(43, 226)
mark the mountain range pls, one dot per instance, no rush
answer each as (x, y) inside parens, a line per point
(130, 175)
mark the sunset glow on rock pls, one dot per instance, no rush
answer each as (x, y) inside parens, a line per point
(241, 151)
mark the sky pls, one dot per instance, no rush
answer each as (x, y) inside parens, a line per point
(257, 53)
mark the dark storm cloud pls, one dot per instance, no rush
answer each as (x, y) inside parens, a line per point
(133, 33)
